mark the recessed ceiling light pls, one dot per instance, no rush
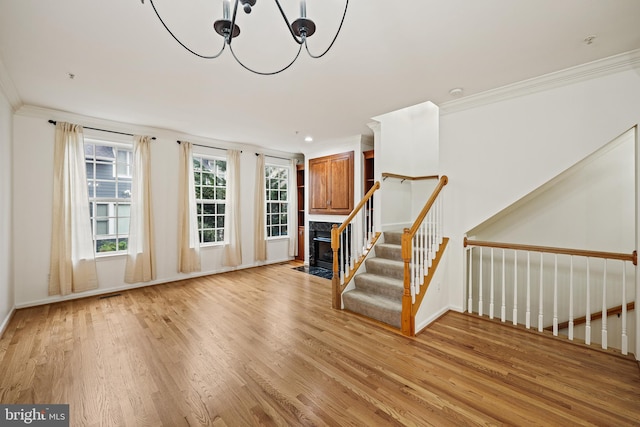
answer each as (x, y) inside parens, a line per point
(308, 138)
(456, 91)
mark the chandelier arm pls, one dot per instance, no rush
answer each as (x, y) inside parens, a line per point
(271, 73)
(182, 44)
(300, 41)
(233, 24)
(346, 6)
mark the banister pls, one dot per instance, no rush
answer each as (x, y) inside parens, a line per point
(436, 192)
(633, 257)
(350, 270)
(407, 319)
(386, 175)
(355, 211)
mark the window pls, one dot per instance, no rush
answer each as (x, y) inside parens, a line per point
(109, 169)
(277, 200)
(211, 191)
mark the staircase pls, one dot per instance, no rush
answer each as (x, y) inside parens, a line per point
(378, 292)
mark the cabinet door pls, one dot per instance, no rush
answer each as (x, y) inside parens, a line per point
(318, 181)
(341, 183)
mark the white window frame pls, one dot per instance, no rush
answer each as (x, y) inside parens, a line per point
(217, 214)
(113, 219)
(283, 204)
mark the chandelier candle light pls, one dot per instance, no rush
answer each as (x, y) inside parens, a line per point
(300, 30)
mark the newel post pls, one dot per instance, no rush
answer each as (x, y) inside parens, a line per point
(336, 300)
(406, 321)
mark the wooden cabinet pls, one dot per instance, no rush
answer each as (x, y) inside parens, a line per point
(331, 184)
(367, 171)
(300, 187)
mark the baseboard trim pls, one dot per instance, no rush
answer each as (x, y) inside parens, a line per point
(98, 292)
(420, 327)
(5, 323)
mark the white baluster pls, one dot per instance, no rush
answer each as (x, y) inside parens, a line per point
(470, 296)
(414, 267)
(515, 288)
(503, 308)
(541, 303)
(555, 296)
(480, 284)
(604, 307)
(353, 248)
(528, 314)
(625, 339)
(422, 252)
(341, 258)
(492, 291)
(587, 329)
(571, 299)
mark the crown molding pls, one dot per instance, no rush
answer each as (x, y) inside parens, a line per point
(602, 67)
(9, 89)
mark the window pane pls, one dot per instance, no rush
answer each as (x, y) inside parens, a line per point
(208, 222)
(102, 209)
(220, 208)
(208, 236)
(102, 227)
(106, 189)
(123, 225)
(221, 193)
(220, 222)
(209, 208)
(106, 245)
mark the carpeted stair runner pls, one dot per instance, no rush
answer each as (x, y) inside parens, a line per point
(378, 292)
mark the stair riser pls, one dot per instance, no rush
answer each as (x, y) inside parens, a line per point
(395, 272)
(394, 238)
(390, 317)
(376, 287)
(389, 252)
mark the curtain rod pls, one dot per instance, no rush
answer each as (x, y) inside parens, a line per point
(53, 122)
(207, 146)
(275, 157)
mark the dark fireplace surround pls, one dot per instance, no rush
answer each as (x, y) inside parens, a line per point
(320, 253)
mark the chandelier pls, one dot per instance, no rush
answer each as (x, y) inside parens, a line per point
(300, 29)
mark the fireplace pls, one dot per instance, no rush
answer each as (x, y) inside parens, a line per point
(320, 252)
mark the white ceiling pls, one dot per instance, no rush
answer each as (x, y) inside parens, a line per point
(389, 55)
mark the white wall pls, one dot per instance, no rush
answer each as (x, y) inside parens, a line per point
(33, 152)
(407, 144)
(7, 300)
(497, 153)
(589, 206)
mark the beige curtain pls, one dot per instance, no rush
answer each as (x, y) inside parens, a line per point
(73, 264)
(188, 240)
(293, 209)
(232, 249)
(260, 239)
(141, 265)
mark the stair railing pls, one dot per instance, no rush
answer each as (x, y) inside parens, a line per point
(581, 287)
(351, 243)
(420, 245)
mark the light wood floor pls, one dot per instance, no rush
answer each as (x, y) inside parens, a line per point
(263, 347)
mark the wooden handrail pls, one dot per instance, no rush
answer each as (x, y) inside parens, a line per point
(336, 231)
(406, 323)
(423, 213)
(406, 177)
(355, 211)
(595, 316)
(633, 257)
